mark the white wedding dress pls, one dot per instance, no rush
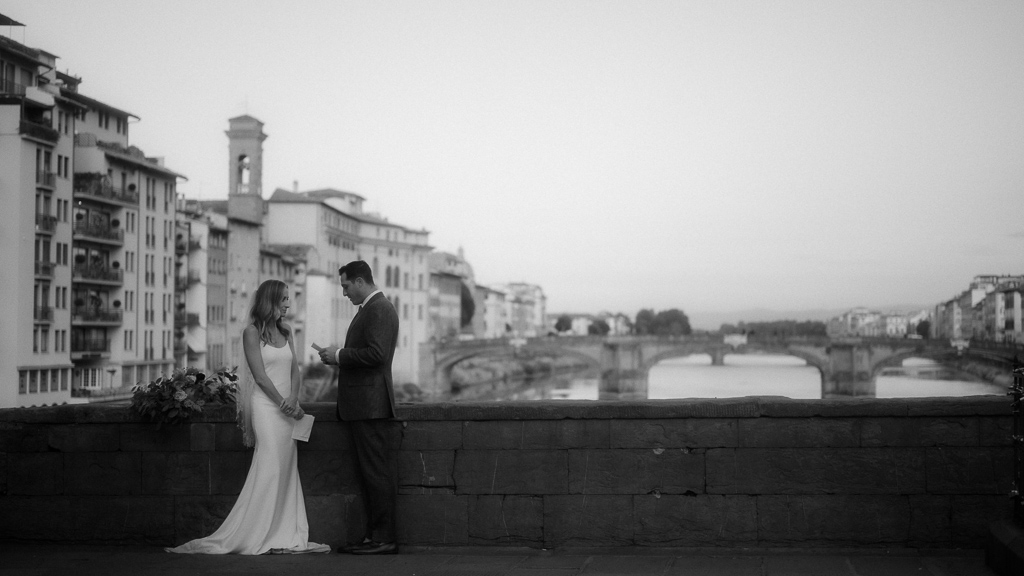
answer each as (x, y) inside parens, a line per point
(270, 514)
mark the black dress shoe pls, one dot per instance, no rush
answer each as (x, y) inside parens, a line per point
(349, 548)
(377, 548)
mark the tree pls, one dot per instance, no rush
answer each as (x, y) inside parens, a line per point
(468, 305)
(924, 329)
(564, 323)
(644, 322)
(671, 322)
(598, 328)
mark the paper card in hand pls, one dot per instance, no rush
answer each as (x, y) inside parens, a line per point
(302, 428)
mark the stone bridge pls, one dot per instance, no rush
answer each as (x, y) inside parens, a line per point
(848, 367)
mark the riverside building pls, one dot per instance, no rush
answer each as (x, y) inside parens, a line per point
(88, 228)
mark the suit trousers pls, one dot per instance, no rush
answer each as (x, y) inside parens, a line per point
(378, 472)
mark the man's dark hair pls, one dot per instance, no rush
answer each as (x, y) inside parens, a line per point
(357, 269)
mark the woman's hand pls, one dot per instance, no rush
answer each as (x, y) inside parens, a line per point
(290, 406)
(299, 413)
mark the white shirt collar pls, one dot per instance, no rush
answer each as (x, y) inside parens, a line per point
(368, 296)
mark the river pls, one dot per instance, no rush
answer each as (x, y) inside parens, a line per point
(744, 375)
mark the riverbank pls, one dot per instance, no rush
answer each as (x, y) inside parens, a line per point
(523, 366)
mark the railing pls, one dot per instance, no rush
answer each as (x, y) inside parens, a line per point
(90, 344)
(97, 187)
(90, 314)
(1017, 391)
(94, 272)
(46, 223)
(99, 232)
(48, 179)
(45, 269)
(39, 131)
(43, 314)
(11, 87)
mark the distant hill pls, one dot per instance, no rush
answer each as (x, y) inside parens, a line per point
(714, 320)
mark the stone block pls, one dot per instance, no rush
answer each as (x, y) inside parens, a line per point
(815, 471)
(958, 406)
(833, 520)
(35, 473)
(21, 437)
(780, 407)
(670, 520)
(3, 474)
(537, 434)
(335, 519)
(973, 515)
(432, 435)
(108, 473)
(506, 520)
(680, 433)
(995, 431)
(148, 438)
(228, 471)
(976, 470)
(324, 473)
(36, 518)
(202, 437)
(930, 525)
(84, 437)
(199, 516)
(530, 472)
(433, 520)
(659, 470)
(328, 436)
(798, 432)
(137, 519)
(581, 520)
(178, 473)
(228, 438)
(426, 468)
(961, 431)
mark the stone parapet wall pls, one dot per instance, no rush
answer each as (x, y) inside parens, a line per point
(745, 472)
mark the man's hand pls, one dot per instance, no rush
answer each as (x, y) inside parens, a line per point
(329, 355)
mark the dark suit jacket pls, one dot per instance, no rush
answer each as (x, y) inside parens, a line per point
(364, 364)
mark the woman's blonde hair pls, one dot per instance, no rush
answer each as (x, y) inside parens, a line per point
(264, 309)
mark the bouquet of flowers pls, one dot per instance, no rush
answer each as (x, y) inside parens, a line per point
(175, 398)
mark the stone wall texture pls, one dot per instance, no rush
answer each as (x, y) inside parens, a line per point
(747, 472)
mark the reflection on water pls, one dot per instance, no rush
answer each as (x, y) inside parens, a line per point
(743, 375)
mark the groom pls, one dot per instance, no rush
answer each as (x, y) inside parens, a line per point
(366, 402)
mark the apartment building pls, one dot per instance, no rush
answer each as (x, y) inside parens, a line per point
(93, 221)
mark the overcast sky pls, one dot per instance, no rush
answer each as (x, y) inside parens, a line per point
(707, 156)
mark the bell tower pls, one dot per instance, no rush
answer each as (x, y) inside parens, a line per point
(245, 169)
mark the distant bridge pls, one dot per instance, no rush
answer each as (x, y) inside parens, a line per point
(848, 366)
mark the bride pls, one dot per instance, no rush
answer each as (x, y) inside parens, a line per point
(270, 514)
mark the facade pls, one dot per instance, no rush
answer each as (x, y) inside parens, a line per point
(93, 222)
(493, 321)
(525, 308)
(451, 282)
(332, 228)
(445, 306)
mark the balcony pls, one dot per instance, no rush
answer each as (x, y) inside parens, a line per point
(95, 316)
(97, 187)
(193, 244)
(38, 131)
(46, 224)
(180, 318)
(44, 269)
(11, 87)
(180, 248)
(193, 278)
(93, 346)
(43, 314)
(192, 319)
(96, 233)
(46, 180)
(97, 274)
